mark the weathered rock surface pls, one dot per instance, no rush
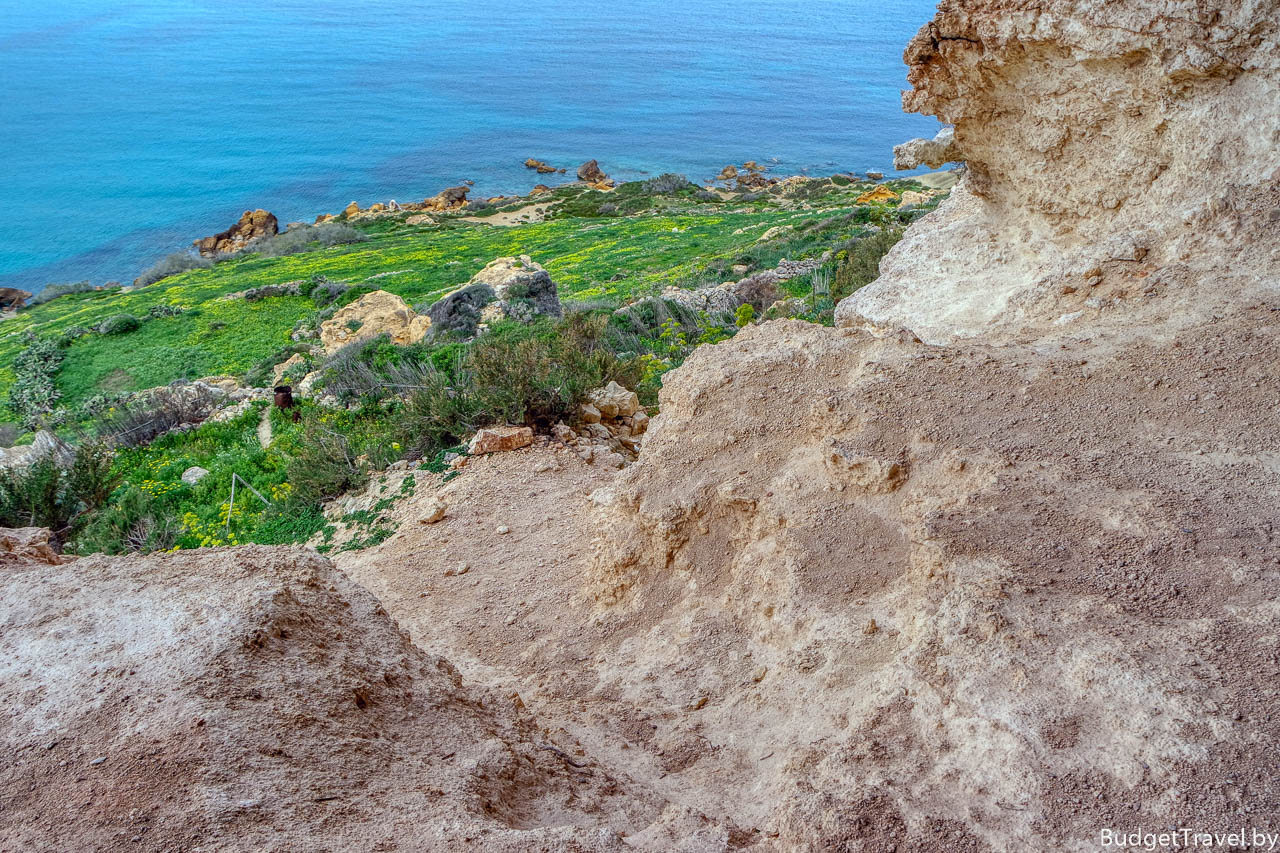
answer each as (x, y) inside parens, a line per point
(194, 474)
(1116, 153)
(877, 195)
(928, 152)
(11, 298)
(459, 310)
(376, 313)
(522, 287)
(591, 172)
(20, 545)
(256, 699)
(253, 225)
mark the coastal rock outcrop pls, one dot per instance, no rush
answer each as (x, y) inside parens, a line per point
(541, 166)
(453, 198)
(376, 313)
(591, 172)
(252, 226)
(933, 153)
(11, 298)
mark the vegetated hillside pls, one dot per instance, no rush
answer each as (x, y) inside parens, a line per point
(79, 358)
(641, 241)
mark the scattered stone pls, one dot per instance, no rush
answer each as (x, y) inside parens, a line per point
(759, 673)
(542, 167)
(613, 401)
(589, 414)
(254, 225)
(876, 176)
(502, 530)
(728, 173)
(500, 439)
(194, 474)
(434, 511)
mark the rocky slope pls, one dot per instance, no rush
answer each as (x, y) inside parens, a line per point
(991, 567)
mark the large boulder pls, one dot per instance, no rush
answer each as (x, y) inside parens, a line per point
(376, 313)
(522, 288)
(499, 439)
(459, 311)
(254, 225)
(45, 444)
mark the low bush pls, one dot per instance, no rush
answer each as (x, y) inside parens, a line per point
(666, 184)
(306, 238)
(324, 465)
(46, 495)
(146, 417)
(33, 396)
(534, 374)
(119, 324)
(860, 264)
(53, 291)
(178, 262)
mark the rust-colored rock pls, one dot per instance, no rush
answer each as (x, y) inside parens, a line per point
(500, 439)
(879, 195)
(253, 225)
(453, 198)
(591, 173)
(542, 167)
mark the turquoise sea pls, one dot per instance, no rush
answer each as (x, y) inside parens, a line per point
(127, 129)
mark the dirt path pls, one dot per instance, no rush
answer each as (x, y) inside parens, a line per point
(264, 429)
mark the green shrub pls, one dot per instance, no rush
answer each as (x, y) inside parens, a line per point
(744, 315)
(53, 291)
(324, 465)
(665, 184)
(119, 324)
(861, 262)
(178, 262)
(534, 374)
(33, 397)
(45, 495)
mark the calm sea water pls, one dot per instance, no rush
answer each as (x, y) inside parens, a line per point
(127, 129)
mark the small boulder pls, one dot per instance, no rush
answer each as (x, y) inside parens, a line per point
(500, 439)
(876, 176)
(728, 173)
(434, 511)
(29, 543)
(352, 209)
(194, 474)
(285, 366)
(11, 298)
(371, 315)
(614, 401)
(589, 414)
(254, 225)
